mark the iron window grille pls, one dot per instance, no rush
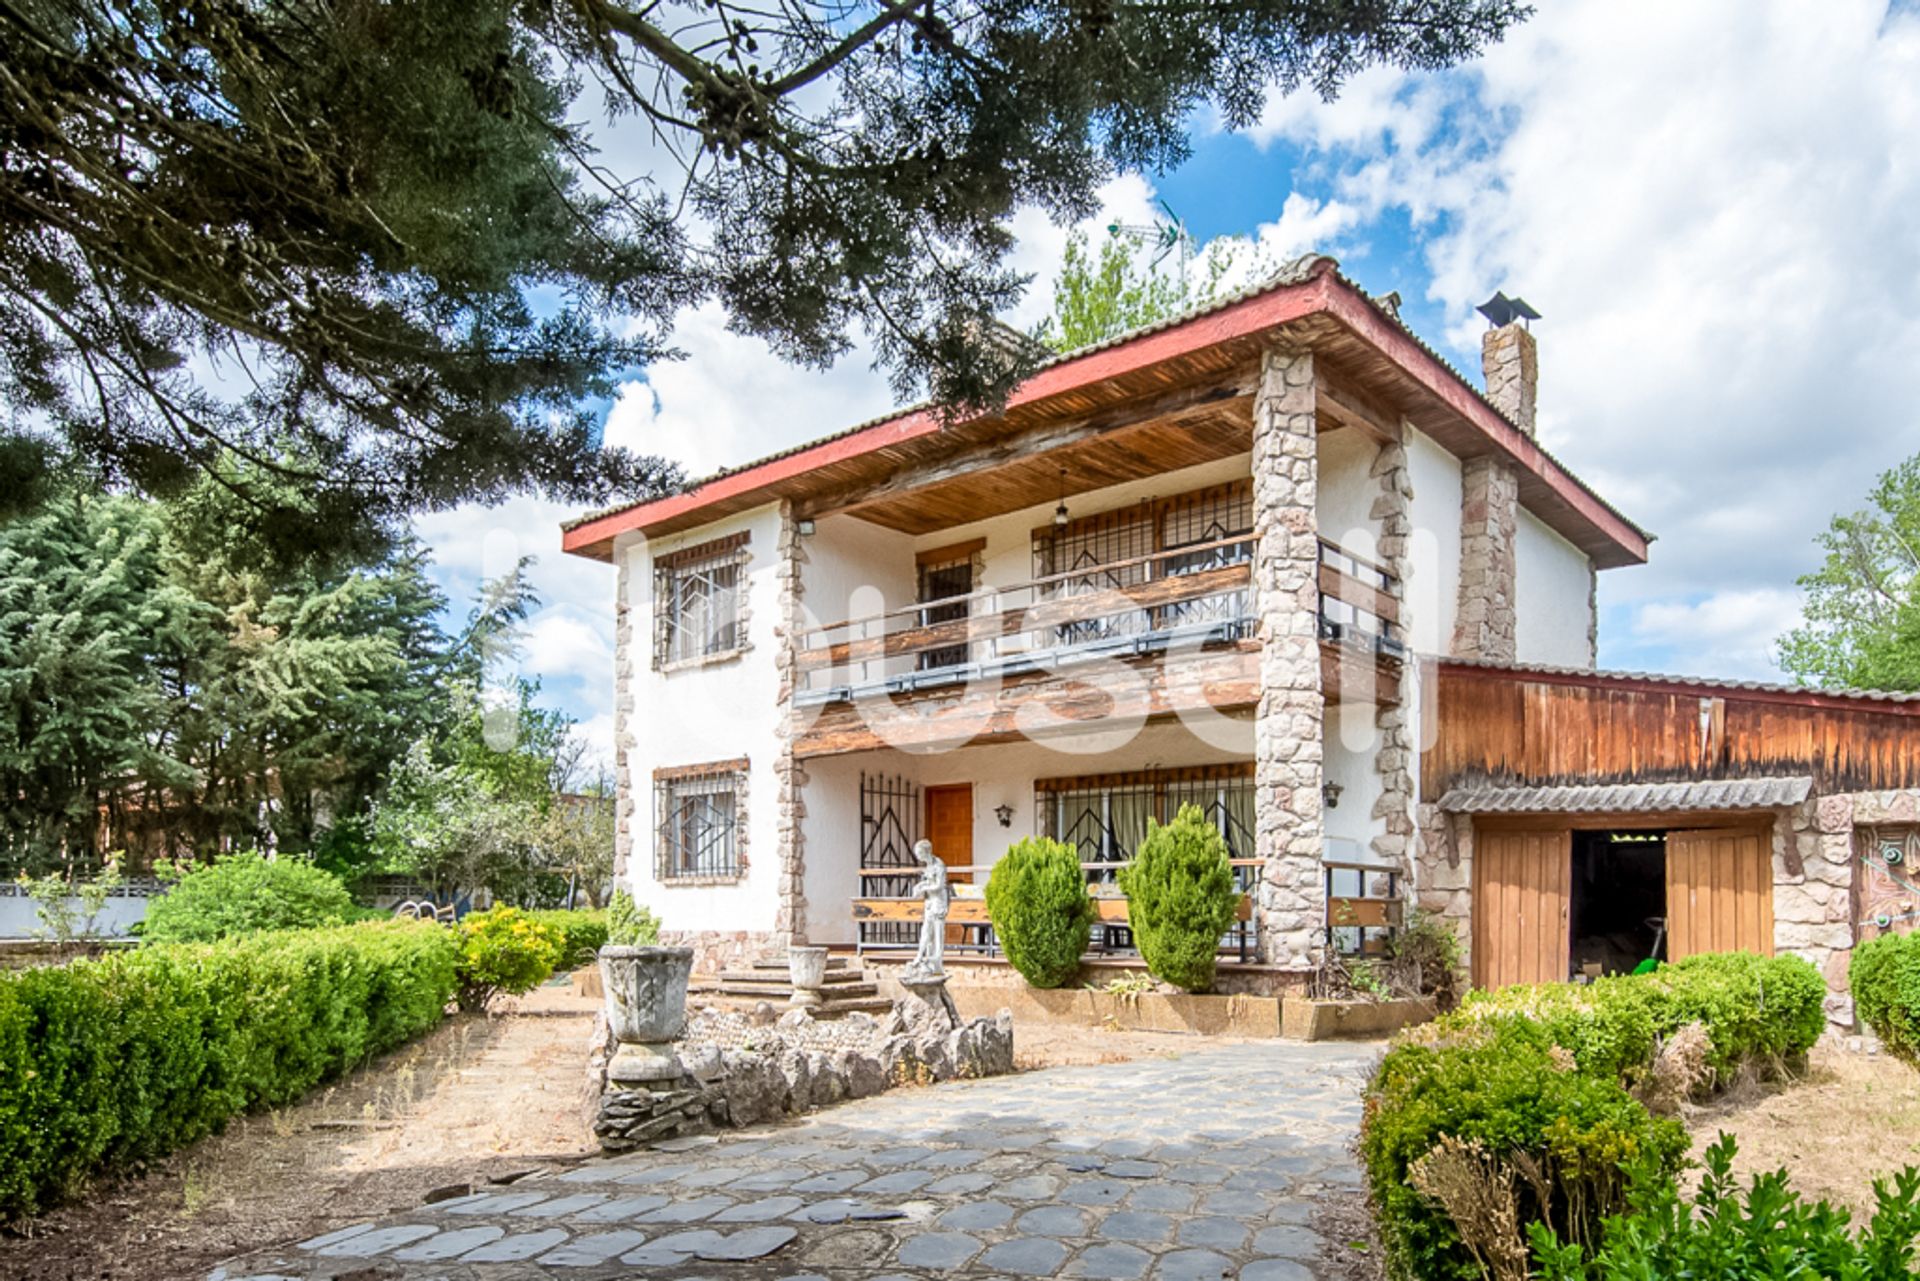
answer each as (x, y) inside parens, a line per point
(699, 817)
(697, 602)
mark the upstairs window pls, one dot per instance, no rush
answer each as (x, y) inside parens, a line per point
(700, 822)
(699, 602)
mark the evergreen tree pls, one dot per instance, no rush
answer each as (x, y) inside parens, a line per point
(1861, 625)
(368, 247)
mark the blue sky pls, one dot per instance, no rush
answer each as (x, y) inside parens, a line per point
(1712, 204)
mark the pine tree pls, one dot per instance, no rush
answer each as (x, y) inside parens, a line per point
(370, 248)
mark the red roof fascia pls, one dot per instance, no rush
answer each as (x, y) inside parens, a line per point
(1251, 316)
(1364, 319)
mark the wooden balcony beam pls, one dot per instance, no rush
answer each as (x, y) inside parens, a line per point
(1342, 406)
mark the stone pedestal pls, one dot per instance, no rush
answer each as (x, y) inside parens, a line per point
(928, 1005)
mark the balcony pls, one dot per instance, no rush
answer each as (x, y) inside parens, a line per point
(1148, 636)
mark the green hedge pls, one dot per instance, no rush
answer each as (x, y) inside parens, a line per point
(1537, 1078)
(582, 935)
(108, 1062)
(1885, 977)
(244, 893)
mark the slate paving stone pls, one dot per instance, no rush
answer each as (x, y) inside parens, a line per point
(590, 1251)
(362, 1245)
(512, 1249)
(326, 1239)
(1288, 1240)
(959, 1184)
(1193, 1265)
(1214, 1232)
(1128, 1169)
(892, 1158)
(711, 1178)
(689, 1211)
(451, 1244)
(832, 1181)
(1136, 1225)
(1094, 1192)
(626, 1207)
(761, 1211)
(1054, 1221)
(1169, 1197)
(1025, 1257)
(939, 1251)
(499, 1203)
(1031, 1187)
(560, 1206)
(748, 1243)
(1276, 1270)
(953, 1159)
(898, 1183)
(1111, 1262)
(1196, 1173)
(980, 1216)
(1291, 1212)
(656, 1174)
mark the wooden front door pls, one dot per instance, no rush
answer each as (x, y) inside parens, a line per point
(950, 827)
(1719, 891)
(1521, 882)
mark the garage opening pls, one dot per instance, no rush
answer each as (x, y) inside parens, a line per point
(1619, 901)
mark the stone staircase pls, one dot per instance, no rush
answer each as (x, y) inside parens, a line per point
(846, 988)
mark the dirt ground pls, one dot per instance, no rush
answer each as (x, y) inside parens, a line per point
(1851, 1119)
(479, 1100)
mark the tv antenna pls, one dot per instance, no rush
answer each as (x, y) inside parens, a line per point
(1167, 236)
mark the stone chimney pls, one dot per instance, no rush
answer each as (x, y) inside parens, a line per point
(1510, 360)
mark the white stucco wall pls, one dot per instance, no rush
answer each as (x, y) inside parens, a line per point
(716, 712)
(1346, 490)
(1433, 585)
(1553, 605)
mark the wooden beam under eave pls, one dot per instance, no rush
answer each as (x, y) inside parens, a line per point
(1342, 406)
(1230, 394)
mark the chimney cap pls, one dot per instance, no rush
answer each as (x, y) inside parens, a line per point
(1502, 310)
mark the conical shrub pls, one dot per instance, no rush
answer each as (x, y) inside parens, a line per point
(1037, 899)
(1181, 898)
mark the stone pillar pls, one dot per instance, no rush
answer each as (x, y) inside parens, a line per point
(1393, 750)
(624, 657)
(1287, 748)
(1489, 514)
(1510, 363)
(790, 774)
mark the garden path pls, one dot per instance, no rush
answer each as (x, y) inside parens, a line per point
(1210, 1165)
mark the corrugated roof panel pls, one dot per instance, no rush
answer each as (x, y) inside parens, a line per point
(1628, 798)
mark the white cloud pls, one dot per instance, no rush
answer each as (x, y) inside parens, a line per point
(1712, 205)
(1728, 633)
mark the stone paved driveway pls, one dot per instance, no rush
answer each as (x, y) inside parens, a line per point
(1206, 1166)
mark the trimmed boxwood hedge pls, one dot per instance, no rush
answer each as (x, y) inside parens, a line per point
(1544, 1072)
(1884, 976)
(109, 1062)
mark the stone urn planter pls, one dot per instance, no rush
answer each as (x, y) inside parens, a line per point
(807, 971)
(646, 992)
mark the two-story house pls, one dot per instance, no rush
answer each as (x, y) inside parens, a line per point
(1268, 557)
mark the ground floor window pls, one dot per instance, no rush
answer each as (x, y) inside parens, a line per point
(700, 822)
(1105, 816)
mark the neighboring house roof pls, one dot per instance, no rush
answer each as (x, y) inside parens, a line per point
(1628, 798)
(1309, 294)
(1804, 695)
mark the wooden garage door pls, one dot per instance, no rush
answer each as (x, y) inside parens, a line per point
(1719, 892)
(1520, 922)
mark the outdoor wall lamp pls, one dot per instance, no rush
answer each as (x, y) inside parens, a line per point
(1330, 795)
(804, 527)
(1005, 814)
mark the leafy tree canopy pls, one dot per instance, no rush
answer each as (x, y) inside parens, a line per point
(370, 250)
(1861, 625)
(1102, 293)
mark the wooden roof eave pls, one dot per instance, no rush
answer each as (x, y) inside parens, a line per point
(1397, 369)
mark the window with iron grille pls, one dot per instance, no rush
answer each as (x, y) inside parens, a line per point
(697, 603)
(700, 822)
(1104, 817)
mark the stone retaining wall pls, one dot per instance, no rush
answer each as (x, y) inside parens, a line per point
(737, 1071)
